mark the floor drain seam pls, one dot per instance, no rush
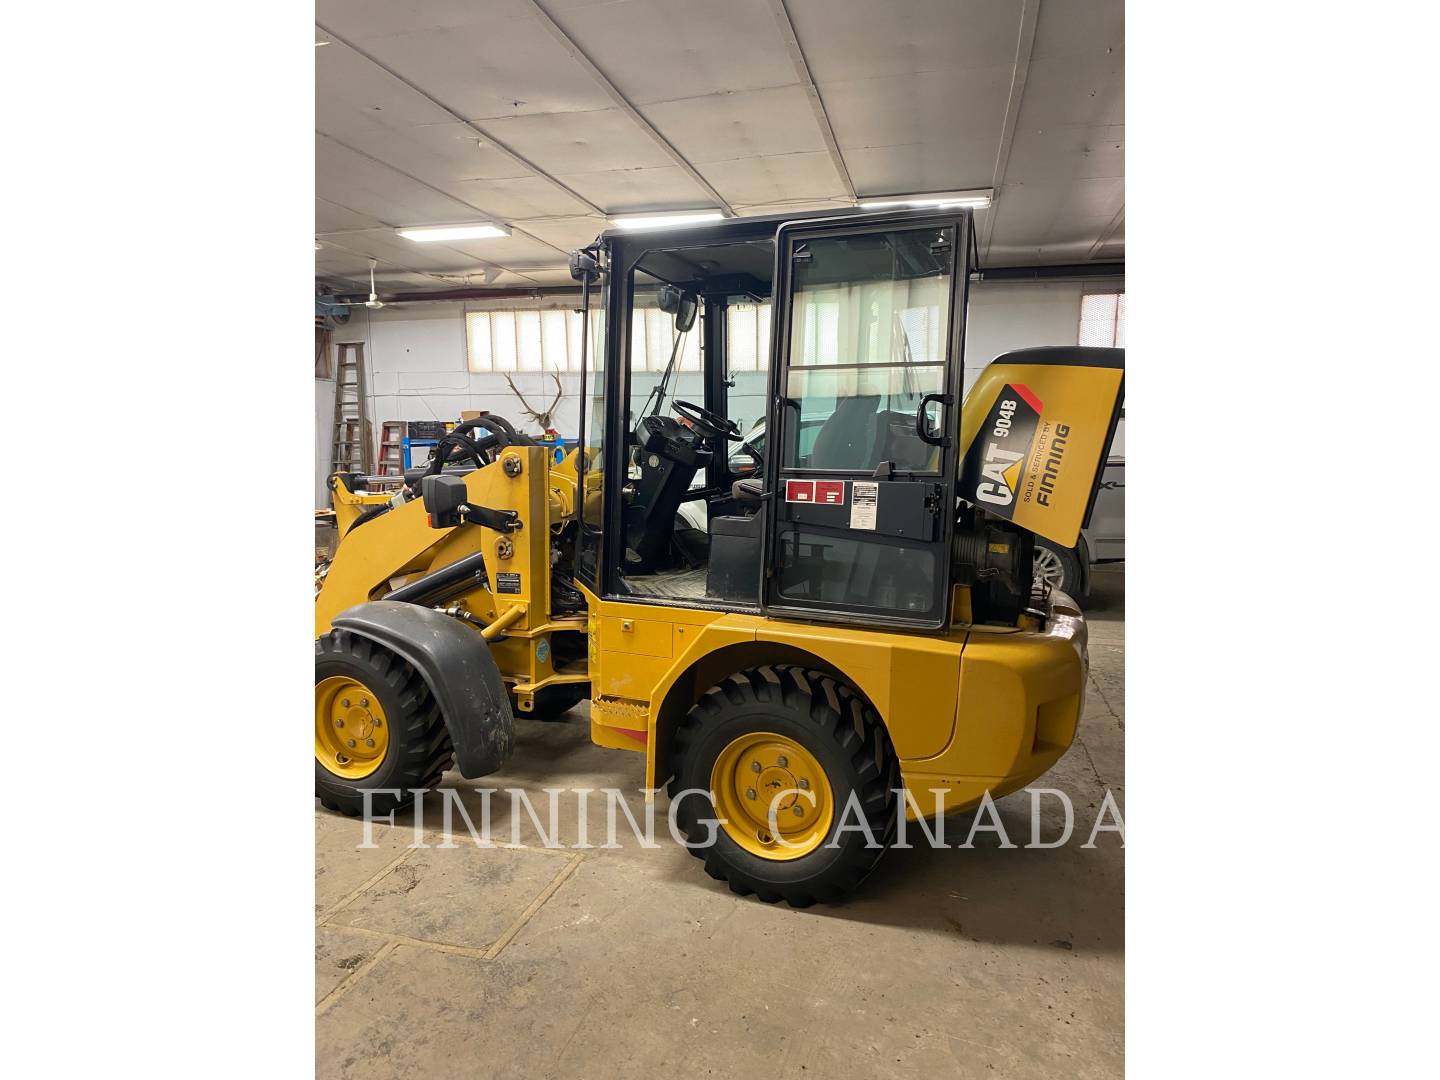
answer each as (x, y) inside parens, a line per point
(355, 976)
(350, 897)
(420, 943)
(534, 906)
(493, 845)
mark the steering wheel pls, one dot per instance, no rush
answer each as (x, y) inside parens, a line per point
(711, 425)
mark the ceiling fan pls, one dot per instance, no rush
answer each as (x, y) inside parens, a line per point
(374, 303)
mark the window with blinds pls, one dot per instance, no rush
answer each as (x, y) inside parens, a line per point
(1102, 320)
(511, 341)
(747, 336)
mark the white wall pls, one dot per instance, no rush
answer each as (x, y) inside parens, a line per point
(324, 429)
(416, 362)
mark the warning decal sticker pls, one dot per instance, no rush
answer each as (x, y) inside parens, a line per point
(864, 497)
(799, 490)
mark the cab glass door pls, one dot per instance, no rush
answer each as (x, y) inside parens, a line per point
(868, 373)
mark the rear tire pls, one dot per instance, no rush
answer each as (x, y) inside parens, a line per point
(418, 749)
(839, 735)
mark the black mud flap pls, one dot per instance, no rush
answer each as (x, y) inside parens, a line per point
(455, 662)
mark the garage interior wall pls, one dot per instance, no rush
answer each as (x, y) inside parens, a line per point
(415, 356)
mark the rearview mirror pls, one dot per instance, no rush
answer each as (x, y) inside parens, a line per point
(682, 305)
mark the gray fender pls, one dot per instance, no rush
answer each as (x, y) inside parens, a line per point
(456, 664)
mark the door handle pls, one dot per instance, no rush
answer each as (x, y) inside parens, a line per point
(944, 399)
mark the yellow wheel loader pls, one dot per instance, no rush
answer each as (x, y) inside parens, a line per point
(854, 634)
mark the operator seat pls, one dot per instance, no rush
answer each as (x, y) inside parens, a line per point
(850, 438)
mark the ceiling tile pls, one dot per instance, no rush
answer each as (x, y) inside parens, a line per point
(517, 199)
(1074, 90)
(852, 40)
(353, 94)
(916, 92)
(332, 218)
(945, 125)
(1047, 215)
(567, 233)
(448, 151)
(506, 66)
(662, 50)
(778, 178)
(622, 191)
(352, 180)
(743, 124)
(591, 141)
(371, 18)
(1062, 151)
(1079, 26)
(514, 252)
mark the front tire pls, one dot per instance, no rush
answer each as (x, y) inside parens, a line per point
(809, 735)
(376, 726)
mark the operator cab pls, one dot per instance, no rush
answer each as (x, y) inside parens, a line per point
(697, 349)
(681, 426)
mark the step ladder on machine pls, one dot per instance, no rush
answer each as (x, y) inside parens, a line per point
(350, 447)
(392, 450)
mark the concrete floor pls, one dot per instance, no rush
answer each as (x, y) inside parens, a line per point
(505, 962)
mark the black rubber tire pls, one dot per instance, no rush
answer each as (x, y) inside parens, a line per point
(553, 702)
(1072, 582)
(419, 751)
(844, 734)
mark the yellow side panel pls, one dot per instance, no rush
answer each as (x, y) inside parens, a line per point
(645, 637)
(911, 679)
(1021, 695)
(628, 675)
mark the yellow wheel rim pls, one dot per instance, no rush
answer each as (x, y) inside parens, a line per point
(761, 769)
(351, 730)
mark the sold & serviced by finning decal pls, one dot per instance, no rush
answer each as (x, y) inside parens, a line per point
(1017, 456)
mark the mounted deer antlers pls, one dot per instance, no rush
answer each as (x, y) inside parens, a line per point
(543, 418)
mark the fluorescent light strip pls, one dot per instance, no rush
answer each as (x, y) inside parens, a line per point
(973, 200)
(664, 221)
(485, 230)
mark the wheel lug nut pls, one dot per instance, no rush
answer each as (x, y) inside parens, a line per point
(799, 812)
(783, 761)
(339, 723)
(378, 723)
(749, 793)
(754, 766)
(370, 742)
(345, 703)
(804, 784)
(364, 702)
(350, 743)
